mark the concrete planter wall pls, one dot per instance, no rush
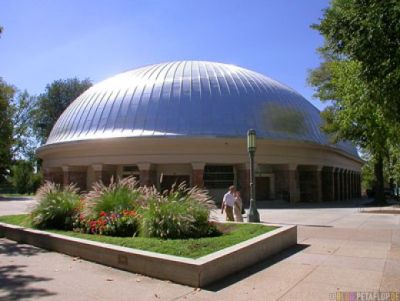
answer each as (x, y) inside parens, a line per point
(194, 272)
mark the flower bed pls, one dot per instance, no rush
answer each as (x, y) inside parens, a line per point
(124, 209)
(232, 234)
(195, 272)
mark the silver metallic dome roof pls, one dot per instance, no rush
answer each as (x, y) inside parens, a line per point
(191, 98)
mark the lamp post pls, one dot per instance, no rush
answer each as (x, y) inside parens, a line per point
(253, 215)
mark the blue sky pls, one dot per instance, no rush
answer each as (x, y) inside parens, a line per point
(45, 40)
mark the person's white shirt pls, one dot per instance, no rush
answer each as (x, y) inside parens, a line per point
(229, 199)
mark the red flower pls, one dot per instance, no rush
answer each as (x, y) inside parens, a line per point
(129, 213)
(102, 213)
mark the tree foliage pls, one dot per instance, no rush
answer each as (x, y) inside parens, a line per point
(50, 105)
(6, 127)
(23, 178)
(24, 143)
(361, 63)
(368, 31)
(353, 115)
(16, 140)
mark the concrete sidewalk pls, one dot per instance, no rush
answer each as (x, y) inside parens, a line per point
(340, 249)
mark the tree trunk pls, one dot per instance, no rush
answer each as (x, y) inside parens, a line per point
(380, 186)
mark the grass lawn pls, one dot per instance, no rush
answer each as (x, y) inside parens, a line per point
(15, 195)
(191, 248)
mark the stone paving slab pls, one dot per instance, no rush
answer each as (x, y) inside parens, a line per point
(355, 263)
(306, 291)
(53, 276)
(340, 249)
(390, 284)
(363, 280)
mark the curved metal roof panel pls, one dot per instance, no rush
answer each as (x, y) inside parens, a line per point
(191, 98)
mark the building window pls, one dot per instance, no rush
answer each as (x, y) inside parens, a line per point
(131, 171)
(218, 176)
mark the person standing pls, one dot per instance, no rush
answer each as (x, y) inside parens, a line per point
(237, 208)
(228, 202)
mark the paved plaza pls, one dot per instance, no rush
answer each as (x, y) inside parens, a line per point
(341, 249)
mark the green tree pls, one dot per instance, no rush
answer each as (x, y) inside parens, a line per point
(16, 139)
(363, 107)
(6, 127)
(50, 105)
(367, 31)
(24, 142)
(353, 116)
(23, 178)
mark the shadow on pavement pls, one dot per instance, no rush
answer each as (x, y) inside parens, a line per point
(9, 248)
(15, 284)
(228, 281)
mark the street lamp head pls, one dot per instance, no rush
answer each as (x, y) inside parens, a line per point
(251, 140)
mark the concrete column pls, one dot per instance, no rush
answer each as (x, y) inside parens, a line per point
(66, 178)
(337, 184)
(328, 184)
(343, 173)
(342, 185)
(293, 181)
(358, 192)
(352, 185)
(355, 185)
(349, 184)
(197, 174)
(97, 172)
(272, 187)
(318, 180)
(350, 173)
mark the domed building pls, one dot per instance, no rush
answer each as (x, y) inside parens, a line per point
(187, 121)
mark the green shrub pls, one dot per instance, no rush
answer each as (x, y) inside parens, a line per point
(23, 179)
(36, 181)
(56, 207)
(180, 213)
(123, 194)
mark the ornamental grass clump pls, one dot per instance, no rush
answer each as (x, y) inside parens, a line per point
(122, 208)
(180, 213)
(56, 207)
(111, 209)
(119, 195)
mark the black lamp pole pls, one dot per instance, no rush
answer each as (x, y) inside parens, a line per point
(253, 216)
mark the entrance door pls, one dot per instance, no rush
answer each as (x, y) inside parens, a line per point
(168, 181)
(262, 188)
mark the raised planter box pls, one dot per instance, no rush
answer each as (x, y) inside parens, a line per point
(194, 272)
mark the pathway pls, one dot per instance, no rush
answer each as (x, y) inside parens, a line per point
(340, 249)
